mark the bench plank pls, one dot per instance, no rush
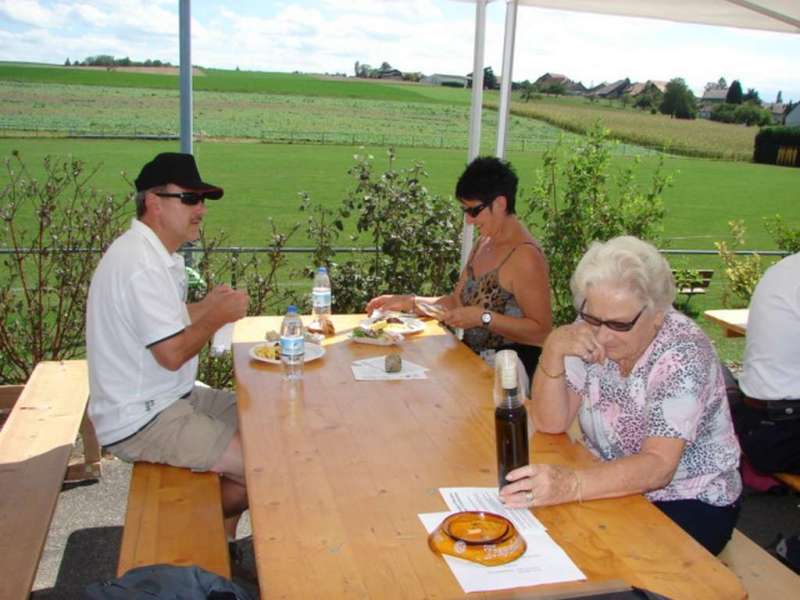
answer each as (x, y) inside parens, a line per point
(175, 517)
(763, 576)
(35, 446)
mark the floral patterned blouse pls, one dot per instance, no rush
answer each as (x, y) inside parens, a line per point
(675, 390)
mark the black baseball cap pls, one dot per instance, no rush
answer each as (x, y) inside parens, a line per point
(178, 169)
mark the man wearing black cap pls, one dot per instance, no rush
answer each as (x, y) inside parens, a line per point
(142, 338)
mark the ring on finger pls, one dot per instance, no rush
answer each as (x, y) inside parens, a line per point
(529, 496)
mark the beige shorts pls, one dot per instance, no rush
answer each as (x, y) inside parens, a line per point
(193, 432)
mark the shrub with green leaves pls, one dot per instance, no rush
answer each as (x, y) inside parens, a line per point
(579, 200)
(415, 234)
(45, 276)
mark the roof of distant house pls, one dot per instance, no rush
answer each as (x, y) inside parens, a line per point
(715, 93)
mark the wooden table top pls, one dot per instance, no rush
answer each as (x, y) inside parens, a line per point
(733, 321)
(338, 470)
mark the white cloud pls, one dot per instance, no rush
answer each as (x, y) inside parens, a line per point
(31, 12)
(413, 35)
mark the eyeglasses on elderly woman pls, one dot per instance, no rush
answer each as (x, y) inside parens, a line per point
(621, 326)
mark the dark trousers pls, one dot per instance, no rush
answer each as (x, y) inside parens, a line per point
(711, 526)
(771, 443)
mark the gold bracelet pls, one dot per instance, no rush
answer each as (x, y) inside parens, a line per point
(579, 487)
(540, 366)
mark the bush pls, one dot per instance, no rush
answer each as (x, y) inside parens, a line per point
(752, 114)
(416, 236)
(778, 145)
(575, 204)
(46, 276)
(741, 272)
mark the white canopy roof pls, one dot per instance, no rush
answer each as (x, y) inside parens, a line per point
(771, 15)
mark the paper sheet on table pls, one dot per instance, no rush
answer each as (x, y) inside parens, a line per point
(543, 562)
(373, 369)
(486, 499)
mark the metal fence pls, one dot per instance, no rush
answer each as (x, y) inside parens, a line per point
(342, 138)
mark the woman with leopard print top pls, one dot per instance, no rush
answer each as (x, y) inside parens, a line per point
(502, 299)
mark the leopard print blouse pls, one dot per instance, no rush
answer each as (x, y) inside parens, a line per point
(485, 291)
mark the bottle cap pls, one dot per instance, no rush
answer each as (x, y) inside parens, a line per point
(322, 270)
(507, 364)
(292, 309)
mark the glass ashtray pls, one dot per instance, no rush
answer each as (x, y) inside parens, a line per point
(481, 537)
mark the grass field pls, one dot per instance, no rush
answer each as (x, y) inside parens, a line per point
(263, 180)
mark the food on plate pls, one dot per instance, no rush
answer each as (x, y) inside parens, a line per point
(369, 334)
(393, 363)
(392, 324)
(269, 351)
(323, 326)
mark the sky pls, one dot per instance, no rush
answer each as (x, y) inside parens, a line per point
(429, 36)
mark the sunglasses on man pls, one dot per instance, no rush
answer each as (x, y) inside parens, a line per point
(187, 198)
(474, 211)
(621, 326)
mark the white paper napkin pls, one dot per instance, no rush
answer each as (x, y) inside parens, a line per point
(373, 369)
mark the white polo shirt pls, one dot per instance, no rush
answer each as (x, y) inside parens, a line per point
(771, 368)
(137, 298)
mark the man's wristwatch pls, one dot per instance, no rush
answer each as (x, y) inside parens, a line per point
(486, 318)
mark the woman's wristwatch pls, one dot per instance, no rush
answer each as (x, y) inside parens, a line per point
(486, 319)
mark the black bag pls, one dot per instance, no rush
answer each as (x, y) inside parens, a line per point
(166, 582)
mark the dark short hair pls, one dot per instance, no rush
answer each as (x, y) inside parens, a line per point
(486, 178)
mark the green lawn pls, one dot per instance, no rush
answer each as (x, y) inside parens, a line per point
(263, 180)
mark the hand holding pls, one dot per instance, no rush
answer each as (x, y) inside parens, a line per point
(464, 317)
(386, 302)
(541, 485)
(227, 304)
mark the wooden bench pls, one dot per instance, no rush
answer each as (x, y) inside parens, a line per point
(36, 442)
(174, 517)
(691, 282)
(762, 575)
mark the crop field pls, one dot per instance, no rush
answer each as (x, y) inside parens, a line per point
(113, 111)
(699, 137)
(415, 114)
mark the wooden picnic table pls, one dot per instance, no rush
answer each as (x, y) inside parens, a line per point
(338, 470)
(732, 321)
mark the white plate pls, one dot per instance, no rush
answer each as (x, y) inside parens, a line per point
(409, 326)
(312, 352)
(390, 340)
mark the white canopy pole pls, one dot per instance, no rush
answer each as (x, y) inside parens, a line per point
(186, 75)
(475, 112)
(508, 68)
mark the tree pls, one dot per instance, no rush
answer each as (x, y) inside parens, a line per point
(722, 84)
(356, 69)
(778, 99)
(750, 113)
(678, 101)
(385, 66)
(528, 91)
(735, 95)
(489, 79)
(752, 97)
(67, 63)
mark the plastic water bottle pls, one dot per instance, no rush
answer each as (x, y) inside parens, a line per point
(510, 417)
(321, 295)
(292, 345)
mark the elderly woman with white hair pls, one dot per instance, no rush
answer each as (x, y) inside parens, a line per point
(648, 390)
